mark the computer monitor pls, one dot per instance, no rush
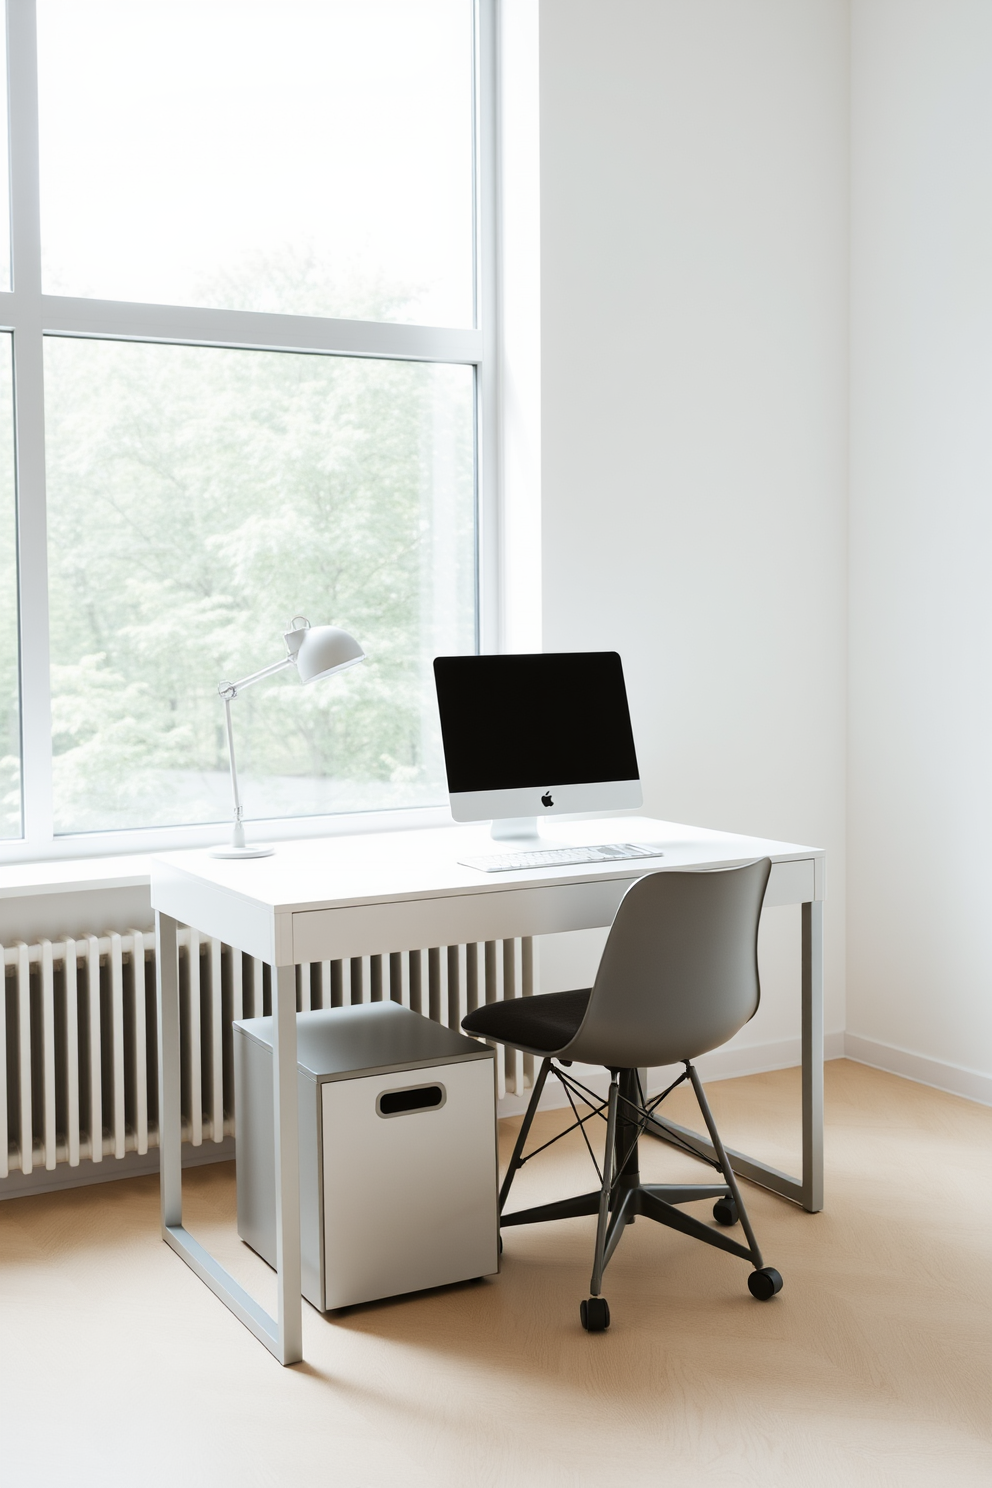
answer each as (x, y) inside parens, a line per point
(531, 736)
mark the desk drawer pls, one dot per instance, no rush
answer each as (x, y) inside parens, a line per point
(499, 914)
(409, 924)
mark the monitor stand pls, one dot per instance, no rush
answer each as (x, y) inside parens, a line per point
(521, 829)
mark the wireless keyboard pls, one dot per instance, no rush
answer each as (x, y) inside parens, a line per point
(561, 857)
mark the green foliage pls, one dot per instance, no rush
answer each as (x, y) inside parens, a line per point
(197, 500)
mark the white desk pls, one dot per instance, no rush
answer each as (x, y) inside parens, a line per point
(329, 898)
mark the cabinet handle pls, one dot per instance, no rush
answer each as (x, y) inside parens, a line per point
(413, 1098)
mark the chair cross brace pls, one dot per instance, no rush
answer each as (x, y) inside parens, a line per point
(622, 1197)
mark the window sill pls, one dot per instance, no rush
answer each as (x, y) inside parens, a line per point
(25, 880)
(88, 861)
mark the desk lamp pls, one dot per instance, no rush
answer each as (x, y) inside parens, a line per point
(315, 651)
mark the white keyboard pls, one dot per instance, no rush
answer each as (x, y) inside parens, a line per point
(561, 857)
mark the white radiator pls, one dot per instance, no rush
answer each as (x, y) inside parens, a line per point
(78, 1055)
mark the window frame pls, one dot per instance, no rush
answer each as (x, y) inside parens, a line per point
(30, 315)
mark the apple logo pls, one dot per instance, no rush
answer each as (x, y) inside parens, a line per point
(546, 799)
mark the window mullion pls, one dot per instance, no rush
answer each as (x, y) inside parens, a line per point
(491, 626)
(29, 422)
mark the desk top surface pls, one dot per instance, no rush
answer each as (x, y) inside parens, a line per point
(335, 872)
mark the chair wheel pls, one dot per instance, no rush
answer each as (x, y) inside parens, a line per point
(595, 1314)
(765, 1283)
(725, 1211)
(500, 1244)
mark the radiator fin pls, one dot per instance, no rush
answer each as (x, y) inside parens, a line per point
(78, 1057)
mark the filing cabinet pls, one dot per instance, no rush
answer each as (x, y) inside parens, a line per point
(398, 1177)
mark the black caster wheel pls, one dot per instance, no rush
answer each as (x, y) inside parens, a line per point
(595, 1314)
(725, 1211)
(501, 1244)
(765, 1283)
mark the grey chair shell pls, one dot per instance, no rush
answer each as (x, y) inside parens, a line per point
(678, 976)
(679, 973)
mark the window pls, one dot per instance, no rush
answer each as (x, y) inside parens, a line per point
(242, 368)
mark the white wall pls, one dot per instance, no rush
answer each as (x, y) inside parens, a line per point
(694, 382)
(920, 823)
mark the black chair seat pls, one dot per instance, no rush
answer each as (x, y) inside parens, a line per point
(538, 1024)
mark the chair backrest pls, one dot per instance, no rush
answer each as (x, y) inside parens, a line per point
(679, 972)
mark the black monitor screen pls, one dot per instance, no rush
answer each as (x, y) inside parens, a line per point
(532, 720)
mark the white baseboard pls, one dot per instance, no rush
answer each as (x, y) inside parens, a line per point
(722, 1064)
(954, 1078)
(757, 1059)
(131, 1165)
(732, 1063)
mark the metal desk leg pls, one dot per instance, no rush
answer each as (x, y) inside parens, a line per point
(808, 1190)
(283, 1335)
(170, 1137)
(287, 1150)
(812, 1039)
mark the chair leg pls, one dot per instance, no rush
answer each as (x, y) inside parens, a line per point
(725, 1167)
(599, 1261)
(624, 1208)
(560, 1209)
(524, 1132)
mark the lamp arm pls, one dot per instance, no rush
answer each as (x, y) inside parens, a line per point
(238, 839)
(231, 689)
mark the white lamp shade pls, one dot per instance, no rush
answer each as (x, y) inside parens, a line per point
(325, 649)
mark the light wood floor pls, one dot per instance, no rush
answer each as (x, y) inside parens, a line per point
(117, 1367)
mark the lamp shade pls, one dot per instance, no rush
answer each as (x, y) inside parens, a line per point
(325, 649)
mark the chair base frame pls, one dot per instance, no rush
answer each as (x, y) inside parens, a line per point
(622, 1196)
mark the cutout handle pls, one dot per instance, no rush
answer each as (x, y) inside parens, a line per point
(413, 1098)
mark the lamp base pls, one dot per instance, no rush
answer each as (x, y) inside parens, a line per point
(241, 852)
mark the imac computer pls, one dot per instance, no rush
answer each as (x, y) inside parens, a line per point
(528, 737)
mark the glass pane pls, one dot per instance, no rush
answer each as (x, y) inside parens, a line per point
(309, 156)
(10, 703)
(198, 499)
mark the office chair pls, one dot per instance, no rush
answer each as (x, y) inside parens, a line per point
(678, 976)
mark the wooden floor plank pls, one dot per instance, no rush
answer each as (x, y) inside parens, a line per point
(117, 1367)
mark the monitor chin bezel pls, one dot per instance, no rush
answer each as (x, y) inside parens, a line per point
(529, 801)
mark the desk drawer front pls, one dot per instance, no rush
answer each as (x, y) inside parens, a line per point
(363, 930)
(496, 915)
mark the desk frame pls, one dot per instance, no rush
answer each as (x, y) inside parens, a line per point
(283, 1334)
(807, 1190)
